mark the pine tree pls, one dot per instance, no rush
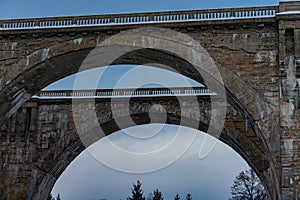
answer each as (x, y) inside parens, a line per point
(177, 197)
(188, 196)
(137, 192)
(157, 195)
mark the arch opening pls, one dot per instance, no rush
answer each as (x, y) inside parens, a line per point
(226, 137)
(131, 76)
(191, 178)
(230, 136)
(60, 66)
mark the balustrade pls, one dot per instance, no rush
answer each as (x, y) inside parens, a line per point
(136, 18)
(147, 92)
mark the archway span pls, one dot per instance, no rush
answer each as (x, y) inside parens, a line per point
(59, 64)
(231, 135)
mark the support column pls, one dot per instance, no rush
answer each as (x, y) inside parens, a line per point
(289, 54)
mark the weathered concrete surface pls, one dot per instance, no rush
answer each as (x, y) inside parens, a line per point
(289, 62)
(258, 60)
(40, 140)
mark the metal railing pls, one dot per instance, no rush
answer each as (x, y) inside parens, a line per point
(121, 93)
(137, 18)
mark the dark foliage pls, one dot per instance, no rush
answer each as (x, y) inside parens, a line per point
(137, 192)
(188, 196)
(247, 186)
(157, 195)
(177, 197)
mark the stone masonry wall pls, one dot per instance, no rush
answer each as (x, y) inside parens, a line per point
(34, 139)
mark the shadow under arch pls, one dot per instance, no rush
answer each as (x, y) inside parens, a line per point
(246, 100)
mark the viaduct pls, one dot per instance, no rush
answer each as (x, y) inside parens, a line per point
(256, 51)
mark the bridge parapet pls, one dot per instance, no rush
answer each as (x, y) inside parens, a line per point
(137, 18)
(110, 93)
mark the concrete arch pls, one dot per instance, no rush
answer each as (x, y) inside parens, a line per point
(65, 59)
(230, 136)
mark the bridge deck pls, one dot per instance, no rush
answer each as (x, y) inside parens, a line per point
(121, 93)
(139, 18)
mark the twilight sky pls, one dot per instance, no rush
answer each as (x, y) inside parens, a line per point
(86, 177)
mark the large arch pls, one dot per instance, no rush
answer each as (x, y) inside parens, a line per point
(65, 59)
(231, 135)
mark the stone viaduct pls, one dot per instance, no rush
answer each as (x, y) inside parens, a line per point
(256, 50)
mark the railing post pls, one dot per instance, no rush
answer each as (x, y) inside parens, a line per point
(151, 17)
(36, 22)
(68, 93)
(74, 21)
(110, 19)
(232, 13)
(191, 15)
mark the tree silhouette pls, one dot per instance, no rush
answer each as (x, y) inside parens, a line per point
(58, 197)
(188, 196)
(247, 186)
(157, 195)
(137, 192)
(177, 197)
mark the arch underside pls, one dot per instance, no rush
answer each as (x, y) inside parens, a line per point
(33, 80)
(233, 135)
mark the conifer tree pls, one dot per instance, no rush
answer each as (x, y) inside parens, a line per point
(137, 192)
(177, 197)
(188, 196)
(157, 195)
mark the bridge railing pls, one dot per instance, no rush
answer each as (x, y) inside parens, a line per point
(136, 18)
(102, 93)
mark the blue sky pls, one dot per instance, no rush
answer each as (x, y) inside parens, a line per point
(42, 8)
(124, 77)
(87, 178)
